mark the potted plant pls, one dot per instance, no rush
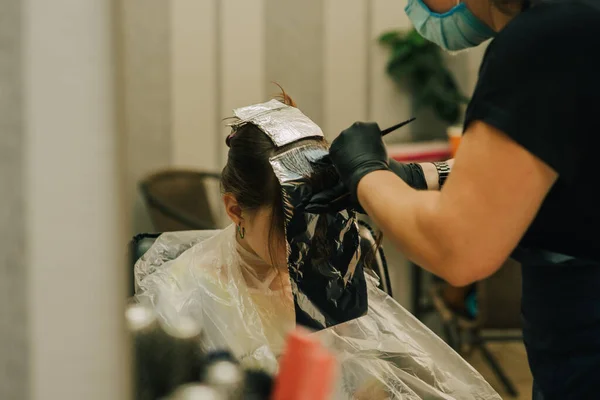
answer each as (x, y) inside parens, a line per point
(418, 63)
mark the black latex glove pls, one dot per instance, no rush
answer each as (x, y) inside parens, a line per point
(411, 173)
(338, 198)
(358, 151)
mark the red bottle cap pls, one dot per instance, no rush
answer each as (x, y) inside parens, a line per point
(306, 369)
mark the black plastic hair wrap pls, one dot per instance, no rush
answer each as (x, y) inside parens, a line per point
(324, 263)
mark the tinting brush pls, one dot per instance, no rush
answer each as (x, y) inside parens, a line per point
(325, 161)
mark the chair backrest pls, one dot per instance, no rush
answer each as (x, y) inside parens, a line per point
(141, 243)
(499, 298)
(178, 200)
(379, 262)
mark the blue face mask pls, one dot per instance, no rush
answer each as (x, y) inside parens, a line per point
(454, 30)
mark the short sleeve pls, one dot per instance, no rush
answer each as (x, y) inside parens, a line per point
(534, 83)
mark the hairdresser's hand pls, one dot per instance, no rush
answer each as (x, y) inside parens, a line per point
(356, 152)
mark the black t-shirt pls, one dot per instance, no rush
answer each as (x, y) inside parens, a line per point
(539, 83)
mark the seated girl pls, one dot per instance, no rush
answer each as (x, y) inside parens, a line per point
(236, 282)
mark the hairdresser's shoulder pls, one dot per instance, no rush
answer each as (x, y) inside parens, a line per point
(548, 35)
(554, 24)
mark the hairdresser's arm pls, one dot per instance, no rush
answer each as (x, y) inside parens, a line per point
(464, 232)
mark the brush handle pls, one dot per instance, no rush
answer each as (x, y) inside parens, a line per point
(397, 126)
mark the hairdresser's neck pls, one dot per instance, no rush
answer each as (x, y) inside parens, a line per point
(499, 19)
(485, 11)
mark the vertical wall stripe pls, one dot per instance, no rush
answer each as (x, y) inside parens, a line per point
(242, 37)
(217, 55)
(242, 59)
(195, 88)
(345, 64)
(368, 70)
(389, 103)
(14, 334)
(193, 84)
(146, 31)
(294, 52)
(75, 247)
(219, 148)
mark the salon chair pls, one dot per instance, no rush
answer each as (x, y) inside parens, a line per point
(178, 199)
(142, 242)
(498, 311)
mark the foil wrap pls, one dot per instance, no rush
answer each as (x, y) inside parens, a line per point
(283, 124)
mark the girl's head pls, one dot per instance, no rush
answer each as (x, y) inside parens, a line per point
(252, 193)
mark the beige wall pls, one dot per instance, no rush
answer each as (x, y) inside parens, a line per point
(145, 40)
(76, 276)
(294, 52)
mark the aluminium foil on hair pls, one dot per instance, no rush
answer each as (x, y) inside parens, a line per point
(283, 124)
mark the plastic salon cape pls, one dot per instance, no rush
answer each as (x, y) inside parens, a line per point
(386, 354)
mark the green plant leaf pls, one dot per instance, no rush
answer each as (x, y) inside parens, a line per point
(422, 98)
(447, 111)
(418, 63)
(401, 73)
(416, 39)
(399, 59)
(391, 38)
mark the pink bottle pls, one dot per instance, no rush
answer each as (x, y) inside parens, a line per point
(306, 370)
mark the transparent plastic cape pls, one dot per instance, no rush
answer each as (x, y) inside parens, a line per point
(385, 354)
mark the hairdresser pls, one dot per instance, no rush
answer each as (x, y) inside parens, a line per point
(523, 179)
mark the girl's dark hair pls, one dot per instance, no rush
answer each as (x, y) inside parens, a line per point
(248, 174)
